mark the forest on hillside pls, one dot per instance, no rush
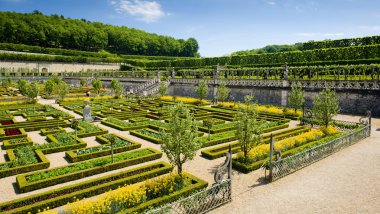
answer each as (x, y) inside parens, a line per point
(56, 31)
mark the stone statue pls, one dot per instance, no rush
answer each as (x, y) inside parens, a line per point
(87, 112)
(286, 72)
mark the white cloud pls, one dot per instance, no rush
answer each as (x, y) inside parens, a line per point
(319, 34)
(370, 27)
(271, 2)
(145, 10)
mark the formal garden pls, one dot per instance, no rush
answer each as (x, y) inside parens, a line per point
(128, 154)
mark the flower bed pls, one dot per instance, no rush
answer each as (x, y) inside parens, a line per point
(62, 196)
(259, 154)
(121, 145)
(87, 129)
(6, 122)
(17, 142)
(12, 133)
(60, 142)
(139, 197)
(53, 130)
(42, 179)
(147, 134)
(124, 126)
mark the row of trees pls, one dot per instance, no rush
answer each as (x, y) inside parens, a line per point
(58, 32)
(311, 45)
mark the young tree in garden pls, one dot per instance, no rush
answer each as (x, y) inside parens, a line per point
(74, 125)
(201, 90)
(6, 83)
(63, 89)
(82, 82)
(114, 82)
(163, 88)
(178, 141)
(97, 84)
(222, 92)
(32, 91)
(49, 87)
(295, 98)
(325, 106)
(118, 90)
(22, 86)
(248, 128)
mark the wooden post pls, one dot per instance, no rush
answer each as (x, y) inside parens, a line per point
(271, 157)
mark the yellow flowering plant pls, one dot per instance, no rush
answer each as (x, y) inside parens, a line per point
(189, 100)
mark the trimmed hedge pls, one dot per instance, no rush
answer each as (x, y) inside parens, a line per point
(37, 125)
(26, 186)
(8, 145)
(145, 137)
(21, 135)
(45, 163)
(124, 128)
(197, 184)
(51, 138)
(46, 131)
(72, 156)
(62, 196)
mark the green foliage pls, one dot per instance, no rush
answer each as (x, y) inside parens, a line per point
(248, 128)
(325, 106)
(82, 82)
(57, 32)
(22, 86)
(97, 84)
(178, 140)
(32, 91)
(62, 89)
(295, 98)
(202, 90)
(6, 82)
(49, 86)
(163, 88)
(223, 92)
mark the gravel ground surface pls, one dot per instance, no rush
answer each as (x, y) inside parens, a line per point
(346, 182)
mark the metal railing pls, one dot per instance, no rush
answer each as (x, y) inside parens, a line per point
(200, 202)
(295, 162)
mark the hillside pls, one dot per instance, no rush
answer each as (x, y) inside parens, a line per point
(58, 32)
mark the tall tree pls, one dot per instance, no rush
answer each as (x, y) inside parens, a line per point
(248, 128)
(295, 98)
(325, 106)
(178, 141)
(223, 92)
(97, 84)
(201, 90)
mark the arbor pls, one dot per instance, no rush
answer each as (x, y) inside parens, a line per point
(178, 141)
(32, 91)
(63, 89)
(248, 128)
(97, 84)
(325, 106)
(223, 92)
(201, 90)
(49, 87)
(163, 88)
(295, 98)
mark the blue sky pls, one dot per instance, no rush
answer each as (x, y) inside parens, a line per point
(224, 26)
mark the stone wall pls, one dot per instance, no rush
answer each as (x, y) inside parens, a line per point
(351, 102)
(52, 67)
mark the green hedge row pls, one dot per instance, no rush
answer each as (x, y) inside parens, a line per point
(43, 164)
(50, 138)
(62, 196)
(196, 185)
(123, 128)
(72, 156)
(37, 125)
(145, 137)
(26, 186)
(5, 137)
(46, 131)
(8, 145)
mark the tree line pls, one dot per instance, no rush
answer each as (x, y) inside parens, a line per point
(56, 31)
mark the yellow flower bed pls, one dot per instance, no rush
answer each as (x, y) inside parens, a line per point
(124, 197)
(262, 151)
(261, 108)
(190, 100)
(87, 98)
(12, 102)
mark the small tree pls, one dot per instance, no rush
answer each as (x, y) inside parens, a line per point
(114, 82)
(325, 106)
(6, 83)
(63, 89)
(178, 141)
(112, 140)
(201, 90)
(49, 87)
(32, 91)
(223, 92)
(248, 128)
(295, 98)
(208, 124)
(97, 84)
(75, 125)
(163, 88)
(22, 86)
(117, 87)
(82, 82)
